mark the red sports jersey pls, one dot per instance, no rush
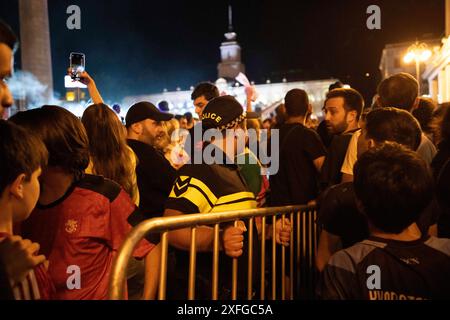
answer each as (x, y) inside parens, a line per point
(38, 276)
(81, 233)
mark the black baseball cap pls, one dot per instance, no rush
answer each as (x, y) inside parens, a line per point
(222, 113)
(145, 110)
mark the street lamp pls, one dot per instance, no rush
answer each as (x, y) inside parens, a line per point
(419, 53)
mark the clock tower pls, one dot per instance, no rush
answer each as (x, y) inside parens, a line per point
(230, 53)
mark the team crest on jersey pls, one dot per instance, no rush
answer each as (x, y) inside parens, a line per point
(71, 226)
(181, 186)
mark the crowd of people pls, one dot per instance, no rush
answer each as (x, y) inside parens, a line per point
(72, 189)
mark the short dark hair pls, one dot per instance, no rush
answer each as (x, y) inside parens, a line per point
(443, 123)
(21, 152)
(336, 85)
(296, 103)
(399, 91)
(62, 133)
(188, 116)
(353, 100)
(7, 36)
(206, 89)
(163, 106)
(393, 185)
(392, 124)
(424, 113)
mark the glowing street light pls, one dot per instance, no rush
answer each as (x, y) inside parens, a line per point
(419, 53)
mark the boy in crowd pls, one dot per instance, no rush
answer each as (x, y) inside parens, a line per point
(398, 91)
(80, 220)
(393, 185)
(342, 223)
(22, 157)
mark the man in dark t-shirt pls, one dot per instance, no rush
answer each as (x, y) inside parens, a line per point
(393, 185)
(342, 109)
(301, 156)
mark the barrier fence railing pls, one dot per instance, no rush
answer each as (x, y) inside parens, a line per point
(298, 283)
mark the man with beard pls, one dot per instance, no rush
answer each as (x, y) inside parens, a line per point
(155, 175)
(342, 109)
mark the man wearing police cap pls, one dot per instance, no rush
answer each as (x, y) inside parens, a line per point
(214, 187)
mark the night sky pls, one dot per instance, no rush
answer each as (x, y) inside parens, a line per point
(138, 47)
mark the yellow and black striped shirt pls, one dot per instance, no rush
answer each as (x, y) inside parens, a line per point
(202, 188)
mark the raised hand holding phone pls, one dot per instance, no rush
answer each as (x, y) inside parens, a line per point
(77, 65)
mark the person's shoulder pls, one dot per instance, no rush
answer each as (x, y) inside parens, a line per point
(297, 132)
(350, 258)
(134, 144)
(339, 192)
(439, 244)
(345, 187)
(336, 202)
(140, 148)
(426, 146)
(100, 185)
(199, 171)
(342, 260)
(341, 141)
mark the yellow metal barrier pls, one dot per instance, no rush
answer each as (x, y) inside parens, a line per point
(303, 243)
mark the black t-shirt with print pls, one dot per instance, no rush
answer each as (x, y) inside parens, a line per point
(381, 269)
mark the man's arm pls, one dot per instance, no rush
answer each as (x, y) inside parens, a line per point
(346, 177)
(318, 163)
(249, 92)
(328, 245)
(433, 230)
(181, 238)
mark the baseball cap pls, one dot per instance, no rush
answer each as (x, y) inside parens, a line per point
(145, 110)
(222, 113)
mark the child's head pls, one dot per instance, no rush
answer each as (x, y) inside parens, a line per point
(389, 124)
(62, 133)
(393, 186)
(22, 157)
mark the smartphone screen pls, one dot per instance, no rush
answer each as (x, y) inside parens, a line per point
(77, 64)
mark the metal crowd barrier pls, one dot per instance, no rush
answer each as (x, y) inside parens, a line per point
(302, 248)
